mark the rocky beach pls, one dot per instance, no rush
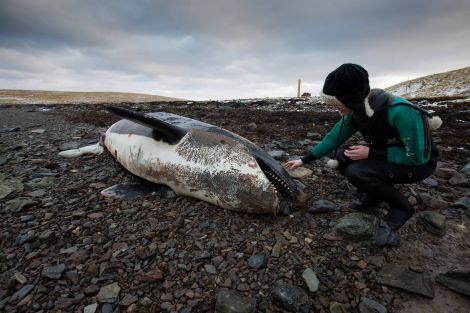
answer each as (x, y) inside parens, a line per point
(64, 247)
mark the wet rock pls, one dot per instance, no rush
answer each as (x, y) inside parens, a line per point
(279, 155)
(53, 272)
(243, 287)
(128, 300)
(399, 277)
(276, 250)
(371, 306)
(430, 182)
(208, 224)
(376, 260)
(385, 236)
(20, 278)
(41, 183)
(72, 276)
(322, 205)
(314, 135)
(291, 298)
(91, 290)
(152, 276)
(45, 234)
(456, 281)
(90, 308)
(76, 258)
(305, 142)
(20, 204)
(336, 307)
(7, 186)
(458, 179)
(444, 172)
(203, 255)
(108, 293)
(463, 202)
(5, 191)
(3, 160)
(300, 172)
(25, 238)
(433, 222)
(432, 202)
(310, 278)
(63, 303)
(257, 261)
(210, 269)
(107, 308)
(466, 170)
(356, 226)
(37, 193)
(26, 218)
(228, 301)
(252, 126)
(20, 294)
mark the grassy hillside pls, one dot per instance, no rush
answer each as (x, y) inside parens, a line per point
(69, 97)
(443, 86)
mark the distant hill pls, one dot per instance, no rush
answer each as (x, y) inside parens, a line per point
(72, 97)
(443, 86)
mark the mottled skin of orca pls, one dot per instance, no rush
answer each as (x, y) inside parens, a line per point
(201, 160)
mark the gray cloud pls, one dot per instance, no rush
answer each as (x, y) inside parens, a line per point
(224, 49)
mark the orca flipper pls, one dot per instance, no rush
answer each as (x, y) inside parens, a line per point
(171, 133)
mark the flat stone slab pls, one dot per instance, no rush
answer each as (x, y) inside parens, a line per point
(228, 301)
(456, 281)
(108, 293)
(400, 277)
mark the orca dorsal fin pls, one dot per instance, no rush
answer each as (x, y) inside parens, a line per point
(171, 133)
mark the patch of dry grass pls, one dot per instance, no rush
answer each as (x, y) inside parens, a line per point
(8, 97)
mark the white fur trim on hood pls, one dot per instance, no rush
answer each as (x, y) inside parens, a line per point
(368, 108)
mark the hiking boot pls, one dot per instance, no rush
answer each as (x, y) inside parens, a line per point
(396, 218)
(363, 203)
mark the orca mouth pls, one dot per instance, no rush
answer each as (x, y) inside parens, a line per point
(282, 187)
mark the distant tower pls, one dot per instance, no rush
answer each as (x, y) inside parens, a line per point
(298, 88)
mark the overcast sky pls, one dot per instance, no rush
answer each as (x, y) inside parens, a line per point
(224, 49)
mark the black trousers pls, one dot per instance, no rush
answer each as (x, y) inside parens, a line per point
(376, 178)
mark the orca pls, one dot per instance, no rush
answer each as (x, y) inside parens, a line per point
(200, 160)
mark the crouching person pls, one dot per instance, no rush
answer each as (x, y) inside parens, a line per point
(398, 150)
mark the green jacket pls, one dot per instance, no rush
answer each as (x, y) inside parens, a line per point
(404, 117)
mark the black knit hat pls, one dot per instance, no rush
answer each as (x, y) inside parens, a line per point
(349, 83)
